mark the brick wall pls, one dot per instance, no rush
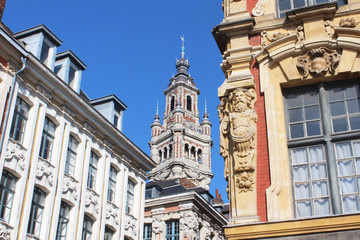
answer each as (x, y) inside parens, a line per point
(263, 176)
(2, 7)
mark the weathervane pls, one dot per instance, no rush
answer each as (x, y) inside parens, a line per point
(182, 47)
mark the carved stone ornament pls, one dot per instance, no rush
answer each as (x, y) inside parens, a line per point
(329, 29)
(207, 231)
(258, 10)
(92, 202)
(5, 232)
(204, 180)
(15, 156)
(189, 223)
(348, 22)
(69, 188)
(318, 61)
(112, 214)
(44, 173)
(300, 35)
(238, 124)
(162, 175)
(156, 225)
(131, 225)
(273, 36)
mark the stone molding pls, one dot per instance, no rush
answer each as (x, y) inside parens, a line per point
(5, 231)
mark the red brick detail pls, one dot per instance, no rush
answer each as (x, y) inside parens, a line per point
(186, 183)
(250, 4)
(174, 208)
(263, 170)
(3, 61)
(255, 40)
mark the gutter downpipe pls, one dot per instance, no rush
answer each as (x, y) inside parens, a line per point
(23, 59)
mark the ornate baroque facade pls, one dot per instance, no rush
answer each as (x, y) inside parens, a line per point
(290, 118)
(66, 171)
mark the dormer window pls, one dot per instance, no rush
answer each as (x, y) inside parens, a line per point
(72, 73)
(45, 50)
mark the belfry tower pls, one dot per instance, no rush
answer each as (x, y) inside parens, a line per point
(181, 145)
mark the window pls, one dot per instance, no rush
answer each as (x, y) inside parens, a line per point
(284, 5)
(130, 197)
(87, 228)
(112, 184)
(117, 114)
(109, 234)
(7, 190)
(57, 69)
(63, 221)
(45, 49)
(36, 211)
(147, 232)
(188, 103)
(47, 139)
(172, 103)
(172, 230)
(92, 170)
(19, 120)
(323, 133)
(72, 73)
(71, 157)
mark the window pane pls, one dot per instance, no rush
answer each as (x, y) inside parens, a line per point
(355, 122)
(293, 100)
(297, 130)
(318, 171)
(316, 154)
(320, 189)
(343, 150)
(303, 209)
(351, 204)
(348, 185)
(301, 173)
(312, 112)
(310, 97)
(322, 207)
(299, 3)
(353, 106)
(340, 125)
(313, 128)
(299, 156)
(346, 168)
(335, 94)
(352, 91)
(295, 115)
(302, 191)
(337, 108)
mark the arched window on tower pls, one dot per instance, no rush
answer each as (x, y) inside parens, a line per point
(170, 151)
(172, 103)
(187, 150)
(165, 153)
(160, 155)
(199, 156)
(192, 153)
(188, 103)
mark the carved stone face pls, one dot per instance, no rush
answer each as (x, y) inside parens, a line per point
(239, 102)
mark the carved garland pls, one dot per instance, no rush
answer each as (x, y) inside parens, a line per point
(189, 223)
(238, 129)
(318, 62)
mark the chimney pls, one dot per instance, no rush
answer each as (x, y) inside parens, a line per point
(2, 7)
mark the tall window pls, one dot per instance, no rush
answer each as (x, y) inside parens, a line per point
(92, 170)
(71, 156)
(109, 234)
(284, 5)
(36, 212)
(323, 133)
(147, 232)
(172, 230)
(45, 49)
(172, 103)
(87, 228)
(130, 197)
(19, 120)
(72, 73)
(63, 221)
(47, 139)
(112, 184)
(7, 190)
(188, 103)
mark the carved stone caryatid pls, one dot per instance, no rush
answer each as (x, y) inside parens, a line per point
(242, 121)
(207, 231)
(238, 147)
(189, 224)
(92, 202)
(69, 189)
(318, 61)
(44, 174)
(15, 157)
(112, 214)
(162, 175)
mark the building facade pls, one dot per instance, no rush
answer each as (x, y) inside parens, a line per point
(290, 118)
(178, 204)
(67, 170)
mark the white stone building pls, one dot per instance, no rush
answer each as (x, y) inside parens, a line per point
(67, 171)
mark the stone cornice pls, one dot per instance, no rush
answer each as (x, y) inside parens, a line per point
(293, 227)
(320, 11)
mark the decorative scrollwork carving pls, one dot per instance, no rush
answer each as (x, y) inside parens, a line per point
(112, 212)
(70, 186)
(189, 223)
(258, 10)
(156, 225)
(318, 62)
(92, 202)
(14, 151)
(329, 29)
(273, 37)
(45, 170)
(131, 225)
(348, 22)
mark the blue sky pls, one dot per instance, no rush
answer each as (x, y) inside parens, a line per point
(130, 49)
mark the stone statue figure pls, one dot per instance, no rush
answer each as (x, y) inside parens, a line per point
(238, 125)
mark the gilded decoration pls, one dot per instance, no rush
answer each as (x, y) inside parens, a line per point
(238, 129)
(317, 62)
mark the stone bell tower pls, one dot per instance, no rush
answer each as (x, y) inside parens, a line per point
(181, 145)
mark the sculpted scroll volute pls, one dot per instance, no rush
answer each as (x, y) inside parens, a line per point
(238, 130)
